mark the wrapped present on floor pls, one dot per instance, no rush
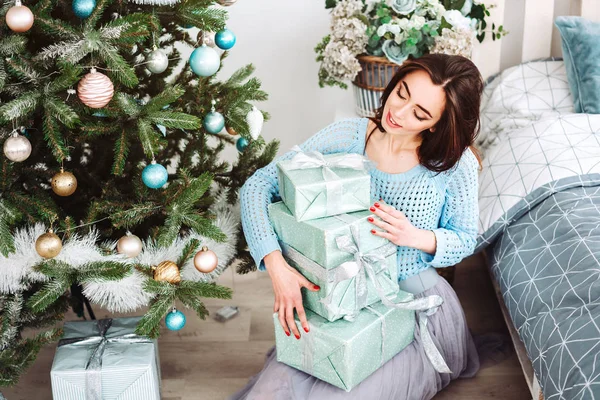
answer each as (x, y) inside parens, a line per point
(344, 353)
(352, 285)
(314, 185)
(316, 239)
(105, 359)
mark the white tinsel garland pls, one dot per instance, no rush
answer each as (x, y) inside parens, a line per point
(127, 294)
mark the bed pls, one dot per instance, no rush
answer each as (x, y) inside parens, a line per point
(539, 226)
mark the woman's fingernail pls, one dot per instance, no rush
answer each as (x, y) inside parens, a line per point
(287, 333)
(306, 330)
(317, 287)
(372, 209)
(373, 231)
(370, 219)
(297, 336)
(376, 205)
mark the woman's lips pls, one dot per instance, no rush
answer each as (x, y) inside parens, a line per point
(390, 122)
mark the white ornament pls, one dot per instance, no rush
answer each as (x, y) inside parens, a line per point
(255, 120)
(17, 148)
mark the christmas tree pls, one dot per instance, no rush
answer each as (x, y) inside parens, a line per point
(112, 190)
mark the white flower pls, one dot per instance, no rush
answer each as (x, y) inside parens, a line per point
(403, 7)
(417, 22)
(457, 20)
(466, 7)
(350, 32)
(347, 8)
(454, 42)
(340, 62)
(385, 28)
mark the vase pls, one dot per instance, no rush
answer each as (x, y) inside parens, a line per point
(368, 85)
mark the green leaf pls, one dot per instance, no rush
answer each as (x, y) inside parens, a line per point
(21, 107)
(120, 69)
(121, 153)
(164, 98)
(101, 271)
(54, 138)
(49, 293)
(190, 248)
(61, 111)
(149, 324)
(127, 104)
(148, 138)
(175, 120)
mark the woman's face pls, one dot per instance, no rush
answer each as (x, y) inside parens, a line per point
(415, 104)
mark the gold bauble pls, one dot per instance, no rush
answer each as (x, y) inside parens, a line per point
(95, 90)
(231, 131)
(19, 18)
(129, 245)
(48, 245)
(64, 183)
(206, 260)
(167, 271)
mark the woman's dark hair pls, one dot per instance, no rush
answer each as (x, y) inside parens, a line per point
(459, 125)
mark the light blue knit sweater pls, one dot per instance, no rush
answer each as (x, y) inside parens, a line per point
(445, 204)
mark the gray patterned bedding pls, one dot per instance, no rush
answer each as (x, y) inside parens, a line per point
(539, 200)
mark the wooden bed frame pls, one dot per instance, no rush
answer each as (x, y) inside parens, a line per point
(532, 35)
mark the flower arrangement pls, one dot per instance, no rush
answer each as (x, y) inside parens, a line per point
(397, 30)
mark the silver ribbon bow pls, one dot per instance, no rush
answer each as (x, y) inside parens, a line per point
(314, 159)
(93, 368)
(426, 306)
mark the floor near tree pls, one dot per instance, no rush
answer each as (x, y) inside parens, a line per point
(209, 360)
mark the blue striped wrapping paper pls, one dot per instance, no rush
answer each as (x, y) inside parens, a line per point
(130, 371)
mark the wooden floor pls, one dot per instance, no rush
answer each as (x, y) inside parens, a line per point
(210, 360)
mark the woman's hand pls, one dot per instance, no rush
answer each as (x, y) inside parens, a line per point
(395, 225)
(286, 285)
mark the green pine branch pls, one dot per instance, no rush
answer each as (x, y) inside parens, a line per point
(188, 251)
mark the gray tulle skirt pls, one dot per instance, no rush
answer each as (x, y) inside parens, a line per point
(409, 375)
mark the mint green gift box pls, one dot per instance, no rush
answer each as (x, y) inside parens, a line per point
(314, 185)
(315, 239)
(105, 359)
(344, 353)
(349, 287)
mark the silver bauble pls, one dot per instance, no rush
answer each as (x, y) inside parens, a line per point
(17, 148)
(129, 245)
(157, 62)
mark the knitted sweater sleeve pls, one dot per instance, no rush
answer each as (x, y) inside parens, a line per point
(456, 235)
(262, 187)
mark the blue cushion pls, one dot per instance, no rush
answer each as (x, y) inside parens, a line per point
(581, 52)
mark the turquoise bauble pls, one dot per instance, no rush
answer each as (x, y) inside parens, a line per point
(84, 8)
(214, 122)
(175, 320)
(241, 144)
(155, 176)
(205, 61)
(224, 39)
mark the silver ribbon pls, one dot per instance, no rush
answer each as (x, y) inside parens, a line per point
(93, 368)
(426, 306)
(333, 185)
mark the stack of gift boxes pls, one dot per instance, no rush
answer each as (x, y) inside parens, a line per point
(324, 233)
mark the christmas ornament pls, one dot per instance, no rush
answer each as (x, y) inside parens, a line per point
(227, 3)
(162, 129)
(129, 245)
(175, 320)
(17, 148)
(224, 39)
(213, 122)
(64, 183)
(167, 271)
(205, 260)
(156, 2)
(95, 90)
(255, 120)
(48, 245)
(157, 62)
(25, 132)
(204, 61)
(241, 144)
(83, 8)
(155, 175)
(231, 131)
(207, 38)
(19, 18)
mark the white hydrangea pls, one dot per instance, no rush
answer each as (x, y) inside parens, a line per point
(454, 42)
(340, 62)
(347, 8)
(351, 32)
(457, 20)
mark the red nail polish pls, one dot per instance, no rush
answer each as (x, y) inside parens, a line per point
(287, 333)
(370, 219)
(373, 231)
(317, 287)
(306, 330)
(377, 205)
(297, 336)
(372, 209)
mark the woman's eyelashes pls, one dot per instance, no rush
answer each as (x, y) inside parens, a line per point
(414, 112)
